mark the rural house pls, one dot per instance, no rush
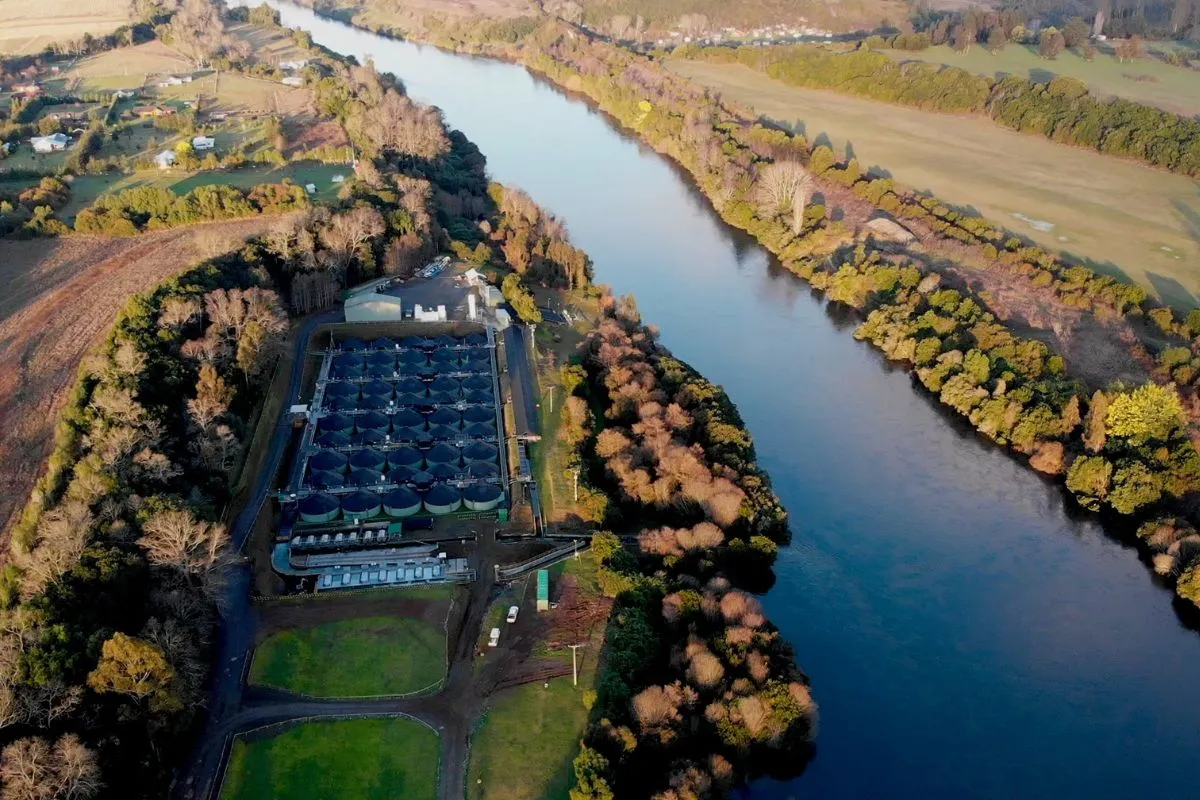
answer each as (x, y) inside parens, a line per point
(200, 143)
(293, 80)
(165, 159)
(50, 144)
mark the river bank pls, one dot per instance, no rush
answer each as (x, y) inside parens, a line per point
(920, 553)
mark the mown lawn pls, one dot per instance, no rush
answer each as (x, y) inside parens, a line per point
(361, 759)
(353, 658)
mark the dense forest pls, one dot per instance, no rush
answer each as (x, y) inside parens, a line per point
(697, 693)
(1061, 110)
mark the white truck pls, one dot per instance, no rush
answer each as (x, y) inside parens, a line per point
(494, 638)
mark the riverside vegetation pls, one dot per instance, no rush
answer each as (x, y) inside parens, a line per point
(1123, 449)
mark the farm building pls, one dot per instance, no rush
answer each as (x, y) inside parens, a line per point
(50, 144)
(165, 159)
(293, 80)
(369, 303)
(201, 143)
(153, 111)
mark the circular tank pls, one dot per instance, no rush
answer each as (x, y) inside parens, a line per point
(341, 389)
(479, 398)
(373, 421)
(365, 477)
(367, 459)
(444, 433)
(397, 474)
(475, 339)
(422, 480)
(328, 461)
(370, 438)
(408, 433)
(354, 345)
(443, 471)
(383, 343)
(377, 387)
(480, 430)
(478, 451)
(335, 422)
(479, 382)
(407, 418)
(361, 505)
(443, 398)
(482, 469)
(319, 508)
(446, 340)
(445, 357)
(334, 439)
(405, 457)
(482, 497)
(376, 402)
(446, 416)
(444, 368)
(348, 360)
(342, 403)
(443, 453)
(409, 399)
(442, 500)
(445, 383)
(410, 386)
(346, 371)
(477, 364)
(401, 503)
(412, 341)
(409, 359)
(381, 372)
(479, 414)
(320, 479)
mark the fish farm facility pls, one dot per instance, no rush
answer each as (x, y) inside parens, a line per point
(401, 448)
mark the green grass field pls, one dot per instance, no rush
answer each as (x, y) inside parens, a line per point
(1145, 80)
(353, 658)
(361, 759)
(1121, 218)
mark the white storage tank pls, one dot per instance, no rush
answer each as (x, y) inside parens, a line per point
(319, 508)
(442, 500)
(401, 503)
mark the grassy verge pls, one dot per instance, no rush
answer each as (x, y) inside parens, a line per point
(353, 658)
(362, 759)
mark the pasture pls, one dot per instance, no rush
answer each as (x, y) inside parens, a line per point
(29, 26)
(124, 68)
(357, 759)
(1119, 217)
(1145, 80)
(357, 657)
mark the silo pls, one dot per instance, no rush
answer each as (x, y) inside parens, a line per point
(478, 397)
(443, 453)
(446, 340)
(480, 430)
(361, 505)
(475, 339)
(479, 414)
(410, 433)
(481, 382)
(409, 400)
(366, 478)
(478, 451)
(482, 497)
(401, 503)
(444, 356)
(445, 383)
(405, 457)
(334, 439)
(410, 386)
(411, 342)
(442, 500)
(443, 433)
(373, 421)
(446, 416)
(397, 474)
(443, 472)
(318, 508)
(408, 418)
(383, 343)
(349, 403)
(335, 422)
(444, 368)
(378, 388)
(367, 459)
(354, 345)
(348, 360)
(319, 479)
(411, 360)
(376, 402)
(341, 389)
(443, 398)
(346, 371)
(369, 438)
(381, 372)
(328, 461)
(422, 480)
(482, 469)
(479, 364)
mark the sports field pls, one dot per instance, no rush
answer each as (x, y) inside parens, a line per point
(1144, 80)
(1119, 217)
(353, 658)
(360, 759)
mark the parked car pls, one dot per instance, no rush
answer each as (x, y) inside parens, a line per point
(494, 639)
(512, 614)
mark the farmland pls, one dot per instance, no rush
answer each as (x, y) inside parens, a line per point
(1146, 80)
(30, 25)
(84, 280)
(1117, 216)
(360, 759)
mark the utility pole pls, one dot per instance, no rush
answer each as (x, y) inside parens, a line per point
(574, 667)
(575, 474)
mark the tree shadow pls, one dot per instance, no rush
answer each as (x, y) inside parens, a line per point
(1039, 75)
(1171, 291)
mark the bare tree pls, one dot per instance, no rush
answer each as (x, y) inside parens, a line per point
(32, 769)
(174, 538)
(346, 232)
(197, 30)
(784, 187)
(212, 398)
(178, 312)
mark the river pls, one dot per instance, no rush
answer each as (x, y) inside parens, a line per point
(965, 635)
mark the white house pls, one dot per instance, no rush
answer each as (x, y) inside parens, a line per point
(474, 277)
(203, 143)
(293, 80)
(124, 94)
(299, 63)
(165, 159)
(51, 143)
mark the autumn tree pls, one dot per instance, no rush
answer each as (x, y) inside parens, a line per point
(784, 187)
(138, 669)
(1149, 413)
(212, 398)
(197, 30)
(1051, 44)
(1094, 431)
(176, 539)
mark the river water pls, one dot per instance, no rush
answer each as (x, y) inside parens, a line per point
(965, 635)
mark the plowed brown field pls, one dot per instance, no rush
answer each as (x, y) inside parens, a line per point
(57, 299)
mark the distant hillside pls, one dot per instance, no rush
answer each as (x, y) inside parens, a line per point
(662, 15)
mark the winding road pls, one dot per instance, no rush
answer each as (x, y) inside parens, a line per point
(235, 708)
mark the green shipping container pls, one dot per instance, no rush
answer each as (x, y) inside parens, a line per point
(543, 590)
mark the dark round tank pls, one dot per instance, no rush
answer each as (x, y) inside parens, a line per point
(367, 460)
(411, 341)
(319, 508)
(479, 364)
(443, 453)
(410, 386)
(354, 345)
(475, 339)
(334, 439)
(446, 340)
(443, 398)
(369, 438)
(366, 477)
(480, 430)
(412, 400)
(405, 457)
(445, 357)
(479, 414)
(445, 383)
(408, 433)
(373, 421)
(478, 451)
(381, 371)
(349, 403)
(361, 505)
(348, 360)
(482, 497)
(477, 382)
(328, 460)
(398, 474)
(335, 422)
(444, 433)
(326, 480)
(407, 418)
(346, 371)
(341, 389)
(384, 357)
(442, 499)
(422, 480)
(443, 471)
(375, 402)
(401, 503)
(478, 397)
(446, 416)
(378, 387)
(383, 343)
(482, 469)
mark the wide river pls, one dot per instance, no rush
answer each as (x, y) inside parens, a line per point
(965, 636)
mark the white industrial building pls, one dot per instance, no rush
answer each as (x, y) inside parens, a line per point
(368, 303)
(200, 143)
(51, 143)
